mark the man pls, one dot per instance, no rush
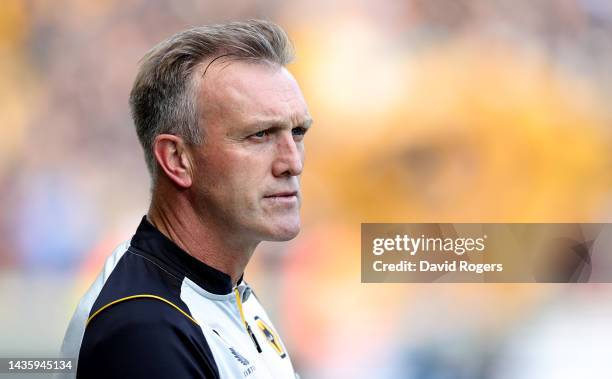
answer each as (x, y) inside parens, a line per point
(222, 123)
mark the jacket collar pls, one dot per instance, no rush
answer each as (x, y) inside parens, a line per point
(152, 242)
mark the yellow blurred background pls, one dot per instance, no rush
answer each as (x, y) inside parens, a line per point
(425, 111)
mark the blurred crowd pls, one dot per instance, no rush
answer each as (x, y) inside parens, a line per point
(425, 111)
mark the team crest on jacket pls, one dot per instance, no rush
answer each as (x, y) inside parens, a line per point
(271, 337)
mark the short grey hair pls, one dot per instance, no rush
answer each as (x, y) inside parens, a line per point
(163, 99)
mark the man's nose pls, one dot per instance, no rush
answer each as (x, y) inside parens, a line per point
(289, 160)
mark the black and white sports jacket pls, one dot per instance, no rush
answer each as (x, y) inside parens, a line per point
(157, 312)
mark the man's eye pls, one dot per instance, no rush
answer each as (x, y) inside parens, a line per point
(260, 134)
(299, 131)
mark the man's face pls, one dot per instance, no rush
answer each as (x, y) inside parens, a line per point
(246, 175)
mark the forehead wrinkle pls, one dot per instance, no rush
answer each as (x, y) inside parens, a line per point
(296, 119)
(262, 100)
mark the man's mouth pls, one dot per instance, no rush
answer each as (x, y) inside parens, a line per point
(284, 197)
(282, 194)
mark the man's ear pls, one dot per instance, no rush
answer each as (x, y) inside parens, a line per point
(172, 156)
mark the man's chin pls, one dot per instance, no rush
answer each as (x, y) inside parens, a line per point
(284, 231)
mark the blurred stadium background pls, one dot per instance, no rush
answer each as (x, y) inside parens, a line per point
(425, 110)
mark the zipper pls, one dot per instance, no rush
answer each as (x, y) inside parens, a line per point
(247, 327)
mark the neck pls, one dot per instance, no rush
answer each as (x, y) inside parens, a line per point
(210, 243)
